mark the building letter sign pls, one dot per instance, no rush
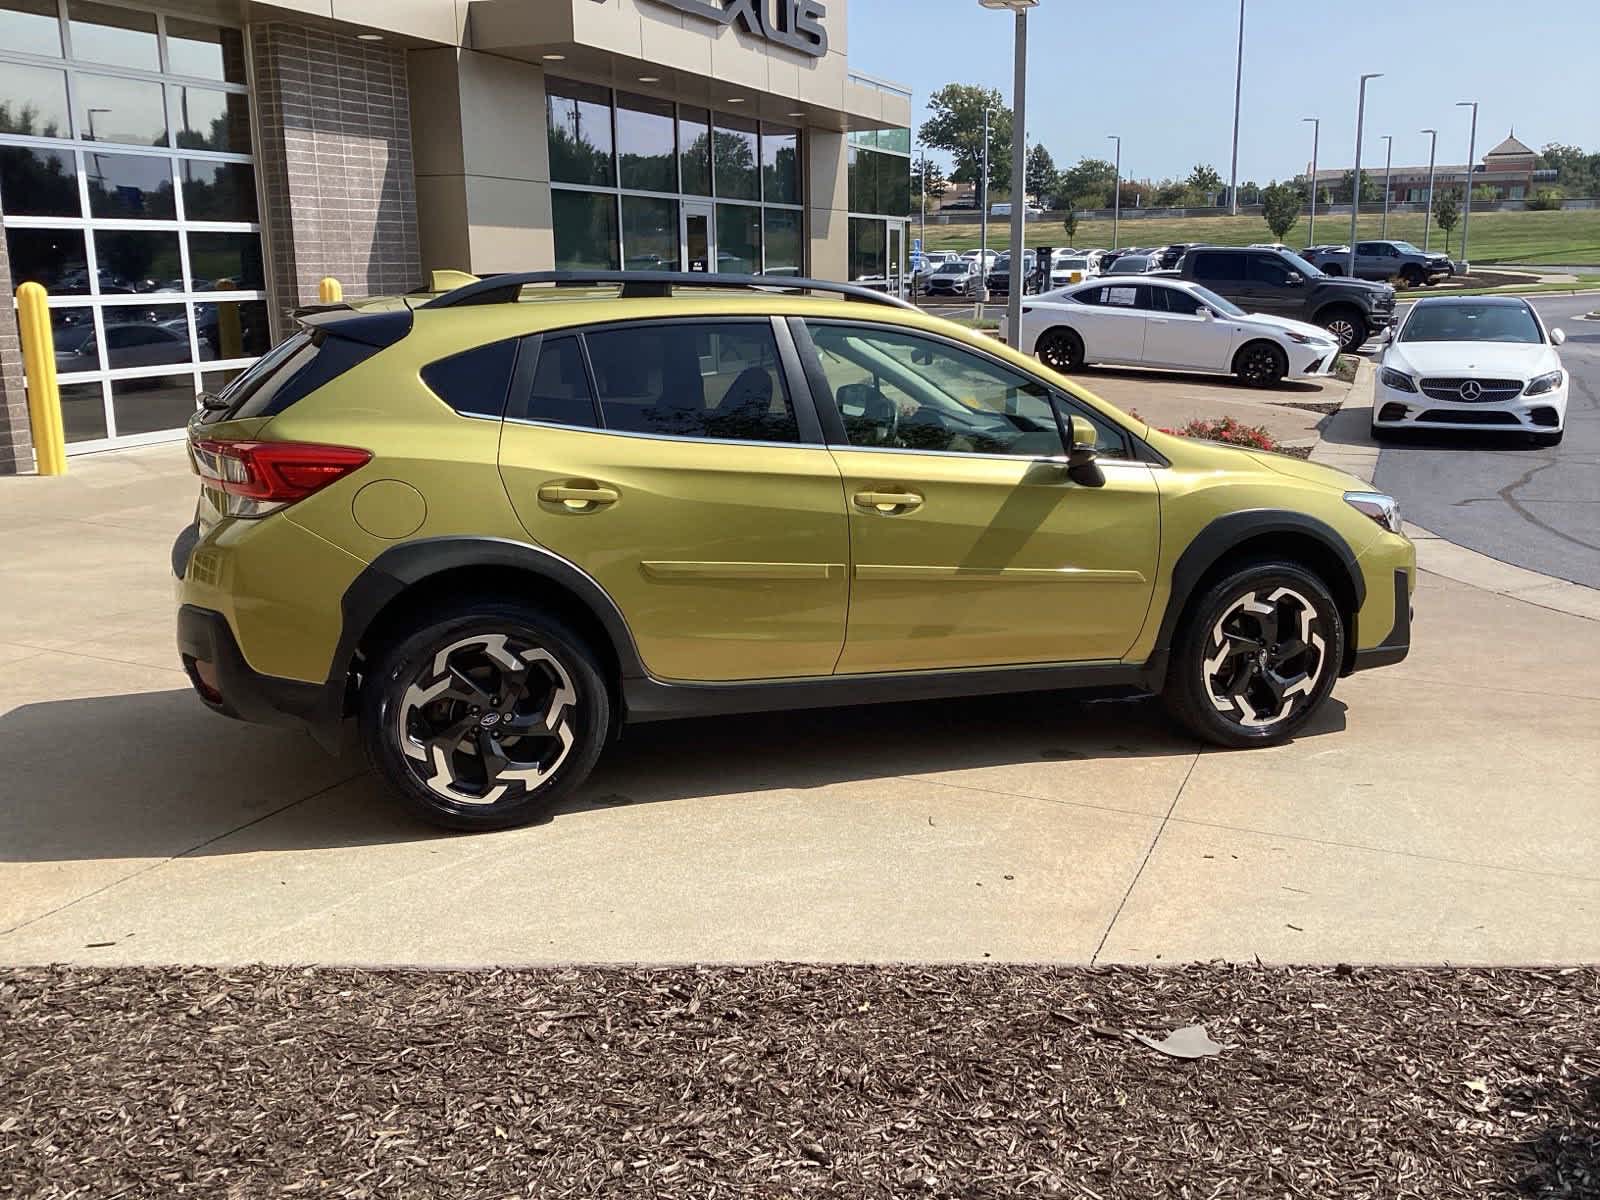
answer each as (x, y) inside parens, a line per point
(793, 23)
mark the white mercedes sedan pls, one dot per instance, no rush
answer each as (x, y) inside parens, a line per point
(1164, 322)
(1472, 362)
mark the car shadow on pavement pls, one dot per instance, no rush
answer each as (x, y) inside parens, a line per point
(154, 775)
(1211, 378)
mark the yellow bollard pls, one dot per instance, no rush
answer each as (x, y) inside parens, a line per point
(330, 290)
(230, 336)
(44, 394)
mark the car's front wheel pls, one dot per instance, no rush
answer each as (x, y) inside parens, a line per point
(1257, 657)
(1348, 327)
(1260, 364)
(485, 716)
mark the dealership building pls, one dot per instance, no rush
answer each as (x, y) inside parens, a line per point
(180, 176)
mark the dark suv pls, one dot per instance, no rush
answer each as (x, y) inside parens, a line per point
(1384, 260)
(1280, 283)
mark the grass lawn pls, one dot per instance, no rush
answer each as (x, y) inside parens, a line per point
(1570, 236)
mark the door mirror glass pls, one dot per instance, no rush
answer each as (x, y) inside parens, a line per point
(1558, 337)
(1295, 279)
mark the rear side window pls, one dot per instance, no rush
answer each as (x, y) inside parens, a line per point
(474, 382)
(1221, 268)
(560, 391)
(689, 379)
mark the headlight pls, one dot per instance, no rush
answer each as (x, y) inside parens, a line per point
(1381, 508)
(1398, 380)
(1543, 384)
(1300, 338)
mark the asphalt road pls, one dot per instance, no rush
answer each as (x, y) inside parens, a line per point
(1537, 508)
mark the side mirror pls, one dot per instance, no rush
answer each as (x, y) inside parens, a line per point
(1207, 314)
(1082, 468)
(1296, 279)
(1558, 337)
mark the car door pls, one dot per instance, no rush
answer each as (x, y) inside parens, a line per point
(1271, 286)
(1182, 332)
(970, 545)
(1115, 331)
(678, 465)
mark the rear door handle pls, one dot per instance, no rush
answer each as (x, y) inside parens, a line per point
(579, 497)
(888, 502)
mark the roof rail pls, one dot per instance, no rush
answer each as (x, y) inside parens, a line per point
(505, 289)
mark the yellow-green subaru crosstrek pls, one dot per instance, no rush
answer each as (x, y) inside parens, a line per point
(498, 525)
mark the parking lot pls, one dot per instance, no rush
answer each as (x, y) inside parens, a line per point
(1437, 811)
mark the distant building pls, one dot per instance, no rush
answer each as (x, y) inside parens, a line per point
(1507, 170)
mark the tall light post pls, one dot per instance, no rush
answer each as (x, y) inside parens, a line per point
(1238, 86)
(1316, 134)
(1355, 177)
(924, 189)
(983, 222)
(1472, 158)
(1388, 162)
(1019, 159)
(1116, 190)
(1427, 216)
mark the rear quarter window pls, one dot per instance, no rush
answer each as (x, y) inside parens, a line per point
(474, 382)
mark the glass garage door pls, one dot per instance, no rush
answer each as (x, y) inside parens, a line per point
(128, 190)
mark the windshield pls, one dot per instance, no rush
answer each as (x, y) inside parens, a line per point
(1300, 264)
(1471, 323)
(1226, 307)
(1130, 264)
(1405, 247)
(1072, 264)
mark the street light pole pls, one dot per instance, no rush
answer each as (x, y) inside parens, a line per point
(983, 223)
(1427, 216)
(1355, 177)
(1238, 85)
(1316, 134)
(1116, 190)
(924, 233)
(1472, 152)
(1019, 161)
(1388, 162)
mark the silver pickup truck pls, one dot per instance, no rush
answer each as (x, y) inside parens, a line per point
(1383, 260)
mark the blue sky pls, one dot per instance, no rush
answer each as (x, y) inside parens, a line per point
(1160, 73)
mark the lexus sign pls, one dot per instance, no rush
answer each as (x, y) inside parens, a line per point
(793, 23)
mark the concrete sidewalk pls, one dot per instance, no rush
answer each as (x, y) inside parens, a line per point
(1440, 810)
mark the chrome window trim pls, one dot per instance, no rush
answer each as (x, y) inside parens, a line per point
(656, 437)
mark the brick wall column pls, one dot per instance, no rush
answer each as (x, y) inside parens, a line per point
(336, 163)
(16, 441)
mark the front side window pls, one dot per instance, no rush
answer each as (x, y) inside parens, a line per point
(1269, 270)
(901, 391)
(692, 379)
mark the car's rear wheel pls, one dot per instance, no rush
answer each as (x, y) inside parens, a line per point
(1260, 364)
(1347, 326)
(1060, 349)
(485, 716)
(1257, 657)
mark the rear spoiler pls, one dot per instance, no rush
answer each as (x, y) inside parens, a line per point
(378, 329)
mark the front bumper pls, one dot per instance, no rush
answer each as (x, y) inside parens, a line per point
(1396, 644)
(1395, 409)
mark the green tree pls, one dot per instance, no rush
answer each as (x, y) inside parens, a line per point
(1577, 172)
(1447, 212)
(1069, 222)
(927, 175)
(1086, 185)
(1042, 176)
(1546, 199)
(956, 127)
(1205, 179)
(1280, 207)
(1370, 190)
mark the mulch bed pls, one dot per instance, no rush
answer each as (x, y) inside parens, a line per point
(1324, 406)
(799, 1081)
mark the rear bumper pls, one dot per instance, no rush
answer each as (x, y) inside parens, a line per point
(226, 684)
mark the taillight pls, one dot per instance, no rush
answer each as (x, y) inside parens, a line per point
(261, 477)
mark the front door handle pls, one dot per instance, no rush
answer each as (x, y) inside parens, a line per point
(579, 497)
(888, 502)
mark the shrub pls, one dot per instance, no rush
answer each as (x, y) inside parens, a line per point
(1545, 200)
(1227, 430)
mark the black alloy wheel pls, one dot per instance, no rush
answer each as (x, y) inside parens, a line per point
(1261, 364)
(485, 717)
(1258, 657)
(1060, 350)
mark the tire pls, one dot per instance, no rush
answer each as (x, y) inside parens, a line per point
(1060, 349)
(1548, 439)
(1412, 277)
(1347, 325)
(452, 678)
(1227, 684)
(1260, 364)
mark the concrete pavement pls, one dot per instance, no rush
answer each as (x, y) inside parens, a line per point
(1440, 810)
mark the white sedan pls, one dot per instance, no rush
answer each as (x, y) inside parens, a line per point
(1161, 322)
(1473, 362)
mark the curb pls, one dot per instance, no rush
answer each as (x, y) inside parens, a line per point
(1346, 445)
